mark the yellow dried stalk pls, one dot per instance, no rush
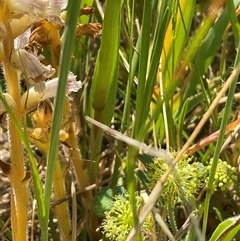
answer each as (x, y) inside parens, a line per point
(19, 194)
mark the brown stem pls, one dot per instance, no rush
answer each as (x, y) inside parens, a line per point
(83, 179)
(61, 211)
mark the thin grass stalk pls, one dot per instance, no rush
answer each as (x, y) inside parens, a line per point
(68, 41)
(234, 20)
(61, 211)
(81, 171)
(143, 65)
(52, 227)
(140, 104)
(130, 76)
(74, 213)
(227, 113)
(131, 160)
(161, 26)
(206, 53)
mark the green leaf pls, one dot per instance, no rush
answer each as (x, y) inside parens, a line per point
(68, 42)
(119, 191)
(107, 61)
(103, 201)
(182, 117)
(141, 176)
(227, 229)
(145, 159)
(6, 233)
(208, 49)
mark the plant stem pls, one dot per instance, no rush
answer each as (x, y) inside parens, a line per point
(68, 41)
(19, 195)
(61, 211)
(81, 172)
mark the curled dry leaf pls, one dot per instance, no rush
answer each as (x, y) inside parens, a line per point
(41, 34)
(89, 29)
(86, 10)
(215, 8)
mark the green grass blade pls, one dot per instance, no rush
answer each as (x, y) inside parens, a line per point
(6, 232)
(104, 86)
(207, 50)
(181, 120)
(227, 113)
(176, 38)
(158, 40)
(107, 60)
(143, 64)
(234, 20)
(227, 229)
(68, 41)
(131, 67)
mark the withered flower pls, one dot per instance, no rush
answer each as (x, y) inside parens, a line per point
(38, 9)
(86, 10)
(32, 98)
(24, 13)
(90, 29)
(35, 72)
(8, 98)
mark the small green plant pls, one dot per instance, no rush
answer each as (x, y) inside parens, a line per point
(225, 175)
(189, 176)
(118, 220)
